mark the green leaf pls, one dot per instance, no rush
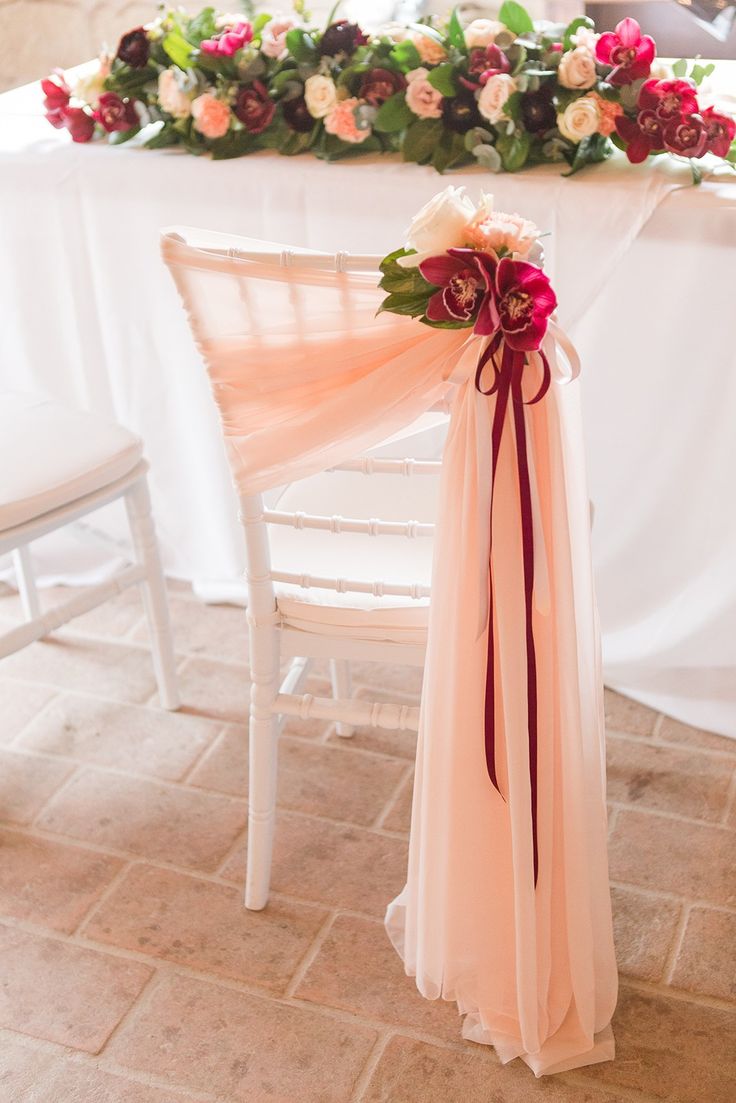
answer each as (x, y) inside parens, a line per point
(679, 69)
(449, 151)
(516, 18)
(443, 79)
(488, 156)
(406, 56)
(572, 28)
(234, 144)
(301, 45)
(697, 172)
(455, 31)
(119, 136)
(412, 305)
(166, 136)
(202, 26)
(178, 49)
(514, 149)
(260, 22)
(393, 115)
(420, 140)
(731, 155)
(589, 151)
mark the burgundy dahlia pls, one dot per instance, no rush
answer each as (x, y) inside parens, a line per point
(460, 113)
(116, 114)
(134, 48)
(627, 50)
(379, 85)
(720, 131)
(341, 38)
(296, 115)
(254, 107)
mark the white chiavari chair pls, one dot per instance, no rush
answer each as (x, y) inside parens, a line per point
(338, 568)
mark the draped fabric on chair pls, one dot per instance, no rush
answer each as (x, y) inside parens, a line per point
(305, 375)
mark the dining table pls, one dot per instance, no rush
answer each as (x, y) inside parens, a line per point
(642, 263)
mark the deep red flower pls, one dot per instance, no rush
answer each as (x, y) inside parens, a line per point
(113, 113)
(720, 131)
(538, 110)
(56, 98)
(686, 136)
(254, 107)
(522, 303)
(465, 281)
(460, 113)
(483, 63)
(80, 125)
(341, 38)
(296, 114)
(379, 85)
(229, 41)
(643, 135)
(134, 48)
(626, 49)
(668, 98)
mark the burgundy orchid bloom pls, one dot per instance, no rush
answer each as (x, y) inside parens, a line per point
(522, 304)
(114, 114)
(465, 281)
(626, 49)
(483, 63)
(229, 41)
(686, 136)
(80, 125)
(56, 98)
(720, 131)
(669, 99)
(643, 136)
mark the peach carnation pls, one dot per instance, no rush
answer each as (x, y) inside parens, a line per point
(429, 49)
(609, 112)
(496, 230)
(342, 123)
(211, 116)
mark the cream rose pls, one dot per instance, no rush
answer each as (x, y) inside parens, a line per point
(273, 37)
(584, 36)
(577, 68)
(580, 119)
(171, 97)
(320, 95)
(421, 98)
(441, 224)
(90, 87)
(494, 95)
(482, 32)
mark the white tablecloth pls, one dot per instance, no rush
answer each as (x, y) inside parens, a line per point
(643, 268)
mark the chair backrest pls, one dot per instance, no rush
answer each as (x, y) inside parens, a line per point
(263, 258)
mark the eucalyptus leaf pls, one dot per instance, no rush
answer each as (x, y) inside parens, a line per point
(488, 156)
(679, 69)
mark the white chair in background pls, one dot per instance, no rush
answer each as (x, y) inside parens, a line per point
(339, 568)
(58, 464)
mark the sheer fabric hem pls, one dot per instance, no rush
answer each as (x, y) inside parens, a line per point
(554, 1056)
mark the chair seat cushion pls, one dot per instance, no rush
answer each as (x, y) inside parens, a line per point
(356, 556)
(51, 455)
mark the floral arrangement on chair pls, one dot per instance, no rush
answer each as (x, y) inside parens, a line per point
(501, 93)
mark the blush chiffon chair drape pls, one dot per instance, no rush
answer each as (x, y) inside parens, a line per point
(305, 375)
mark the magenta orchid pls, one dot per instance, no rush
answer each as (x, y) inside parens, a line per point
(465, 281)
(720, 131)
(522, 304)
(630, 52)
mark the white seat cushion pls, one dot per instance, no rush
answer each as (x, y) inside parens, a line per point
(51, 455)
(354, 556)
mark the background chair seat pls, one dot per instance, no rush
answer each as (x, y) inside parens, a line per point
(356, 556)
(58, 455)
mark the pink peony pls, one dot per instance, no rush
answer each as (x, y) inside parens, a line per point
(211, 116)
(629, 52)
(273, 37)
(228, 42)
(342, 123)
(421, 98)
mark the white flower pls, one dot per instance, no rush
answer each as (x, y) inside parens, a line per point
(584, 36)
(577, 68)
(482, 32)
(171, 96)
(580, 119)
(273, 37)
(91, 85)
(493, 96)
(320, 95)
(441, 224)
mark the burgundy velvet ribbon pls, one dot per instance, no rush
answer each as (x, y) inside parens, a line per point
(507, 385)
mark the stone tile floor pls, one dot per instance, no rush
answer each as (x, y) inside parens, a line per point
(132, 974)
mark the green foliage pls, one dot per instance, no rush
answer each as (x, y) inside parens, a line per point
(420, 140)
(455, 32)
(572, 28)
(449, 152)
(202, 26)
(178, 49)
(164, 138)
(301, 45)
(516, 18)
(393, 115)
(679, 69)
(406, 56)
(513, 149)
(443, 79)
(589, 151)
(698, 73)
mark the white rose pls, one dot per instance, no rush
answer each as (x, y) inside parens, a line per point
(440, 225)
(171, 97)
(273, 37)
(577, 69)
(90, 87)
(580, 119)
(320, 95)
(585, 37)
(493, 96)
(482, 32)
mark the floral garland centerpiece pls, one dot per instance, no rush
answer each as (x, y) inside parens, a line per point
(504, 93)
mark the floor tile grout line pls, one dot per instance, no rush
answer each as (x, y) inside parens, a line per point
(657, 726)
(310, 954)
(712, 754)
(45, 707)
(365, 1075)
(238, 844)
(730, 802)
(393, 799)
(681, 995)
(670, 897)
(74, 770)
(676, 945)
(648, 810)
(200, 757)
(624, 1093)
(102, 899)
(110, 700)
(142, 1000)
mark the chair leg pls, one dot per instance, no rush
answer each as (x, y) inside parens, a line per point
(153, 589)
(26, 582)
(341, 688)
(262, 765)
